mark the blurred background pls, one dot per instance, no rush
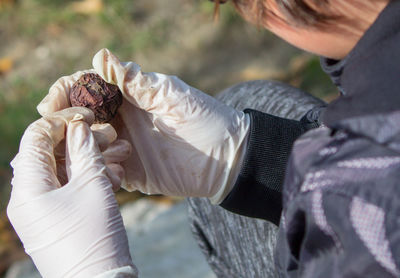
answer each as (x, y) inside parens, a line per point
(42, 40)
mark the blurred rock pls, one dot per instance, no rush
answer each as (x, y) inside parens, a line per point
(23, 269)
(42, 52)
(160, 242)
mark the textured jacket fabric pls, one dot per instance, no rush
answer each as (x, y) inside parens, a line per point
(340, 197)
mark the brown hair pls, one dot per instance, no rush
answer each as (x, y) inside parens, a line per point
(309, 13)
(299, 12)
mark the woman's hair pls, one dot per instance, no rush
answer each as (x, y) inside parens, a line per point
(299, 12)
(309, 13)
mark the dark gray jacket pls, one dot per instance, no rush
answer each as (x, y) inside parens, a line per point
(339, 206)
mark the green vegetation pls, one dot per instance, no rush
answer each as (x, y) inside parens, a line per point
(15, 115)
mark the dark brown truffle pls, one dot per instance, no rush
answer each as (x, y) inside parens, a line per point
(91, 91)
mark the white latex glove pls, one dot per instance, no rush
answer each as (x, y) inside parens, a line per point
(114, 151)
(185, 143)
(74, 230)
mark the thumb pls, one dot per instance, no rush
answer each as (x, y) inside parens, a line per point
(156, 93)
(147, 91)
(84, 160)
(35, 170)
(58, 97)
(109, 67)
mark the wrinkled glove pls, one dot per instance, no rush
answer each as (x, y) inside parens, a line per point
(185, 143)
(75, 229)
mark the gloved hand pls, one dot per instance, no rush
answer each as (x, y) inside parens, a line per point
(114, 151)
(74, 230)
(185, 143)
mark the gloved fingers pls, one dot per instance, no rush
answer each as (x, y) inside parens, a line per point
(58, 96)
(117, 151)
(35, 170)
(62, 171)
(111, 70)
(134, 85)
(83, 157)
(160, 94)
(104, 134)
(116, 174)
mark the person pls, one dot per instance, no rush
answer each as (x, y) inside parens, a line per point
(328, 179)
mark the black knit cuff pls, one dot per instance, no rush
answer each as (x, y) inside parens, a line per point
(258, 189)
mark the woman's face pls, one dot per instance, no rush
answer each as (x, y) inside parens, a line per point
(320, 43)
(328, 43)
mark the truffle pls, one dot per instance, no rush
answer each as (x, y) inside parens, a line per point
(91, 91)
